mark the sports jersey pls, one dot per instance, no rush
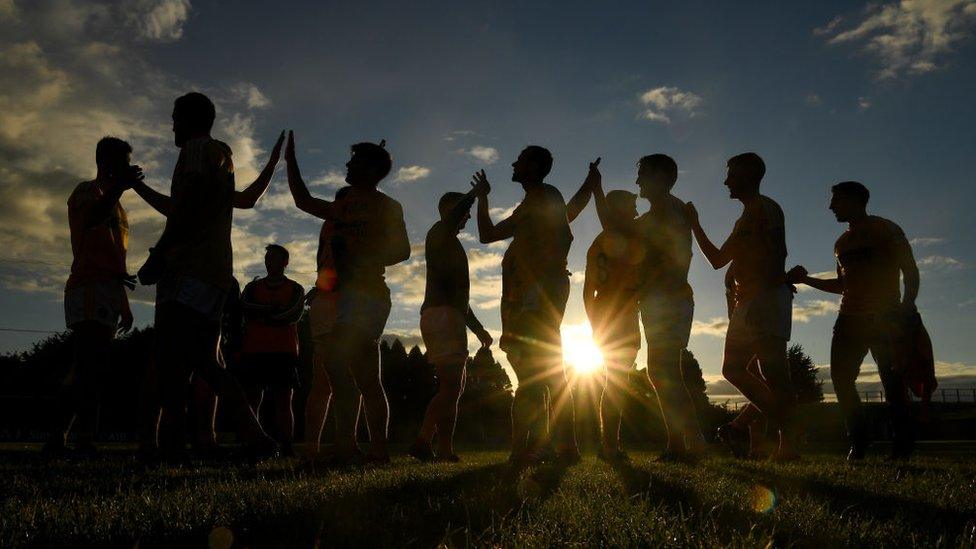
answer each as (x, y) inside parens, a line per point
(262, 334)
(203, 195)
(758, 245)
(98, 246)
(867, 263)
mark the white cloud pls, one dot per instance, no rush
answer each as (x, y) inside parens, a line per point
(906, 37)
(922, 241)
(163, 21)
(251, 96)
(661, 103)
(803, 312)
(333, 179)
(863, 103)
(407, 174)
(821, 274)
(813, 99)
(501, 213)
(939, 263)
(484, 155)
(715, 327)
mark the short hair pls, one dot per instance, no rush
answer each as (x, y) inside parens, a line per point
(376, 156)
(751, 164)
(661, 162)
(197, 109)
(279, 249)
(853, 189)
(617, 199)
(447, 201)
(541, 156)
(109, 148)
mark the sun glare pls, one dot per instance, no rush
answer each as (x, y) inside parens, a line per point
(579, 349)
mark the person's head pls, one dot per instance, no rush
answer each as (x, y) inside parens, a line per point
(532, 166)
(447, 202)
(849, 200)
(622, 204)
(656, 175)
(744, 173)
(112, 155)
(275, 259)
(193, 116)
(368, 165)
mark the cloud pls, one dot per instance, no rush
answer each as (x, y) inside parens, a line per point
(939, 263)
(62, 78)
(251, 96)
(922, 241)
(498, 213)
(812, 99)
(863, 103)
(803, 312)
(715, 327)
(163, 20)
(484, 155)
(821, 274)
(333, 179)
(908, 37)
(407, 174)
(661, 103)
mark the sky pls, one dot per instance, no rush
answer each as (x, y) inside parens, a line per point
(878, 92)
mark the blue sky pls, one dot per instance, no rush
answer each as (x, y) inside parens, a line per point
(824, 91)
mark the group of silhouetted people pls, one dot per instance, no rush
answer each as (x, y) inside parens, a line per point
(217, 342)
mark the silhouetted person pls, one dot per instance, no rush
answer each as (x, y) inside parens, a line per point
(872, 254)
(370, 235)
(323, 303)
(610, 299)
(268, 368)
(204, 398)
(535, 288)
(191, 265)
(445, 317)
(762, 318)
(96, 306)
(666, 300)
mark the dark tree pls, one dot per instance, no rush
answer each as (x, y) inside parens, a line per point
(803, 372)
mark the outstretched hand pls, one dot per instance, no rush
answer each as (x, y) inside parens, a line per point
(593, 178)
(485, 338)
(125, 321)
(479, 182)
(796, 274)
(290, 148)
(276, 151)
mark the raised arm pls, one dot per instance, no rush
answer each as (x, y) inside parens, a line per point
(799, 275)
(304, 200)
(717, 257)
(488, 231)
(249, 196)
(477, 329)
(156, 200)
(578, 202)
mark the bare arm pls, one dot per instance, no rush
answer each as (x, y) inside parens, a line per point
(304, 200)
(717, 257)
(292, 313)
(249, 196)
(156, 200)
(477, 329)
(799, 275)
(578, 202)
(909, 271)
(488, 231)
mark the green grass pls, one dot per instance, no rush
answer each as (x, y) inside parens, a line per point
(821, 502)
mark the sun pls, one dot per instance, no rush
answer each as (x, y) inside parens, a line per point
(579, 349)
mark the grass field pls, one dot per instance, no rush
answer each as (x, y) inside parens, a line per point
(821, 502)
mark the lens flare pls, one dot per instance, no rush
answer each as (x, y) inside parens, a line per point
(579, 349)
(762, 499)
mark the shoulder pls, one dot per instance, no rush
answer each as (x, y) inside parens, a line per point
(886, 227)
(770, 209)
(388, 203)
(82, 192)
(550, 193)
(206, 153)
(296, 286)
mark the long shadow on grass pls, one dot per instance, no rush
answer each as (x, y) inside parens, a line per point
(417, 512)
(918, 516)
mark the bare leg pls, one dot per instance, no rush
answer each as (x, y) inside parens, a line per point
(366, 371)
(317, 403)
(611, 401)
(345, 393)
(283, 418)
(775, 369)
(205, 413)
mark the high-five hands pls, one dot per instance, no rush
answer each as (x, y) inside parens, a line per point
(484, 337)
(479, 183)
(593, 178)
(796, 275)
(276, 151)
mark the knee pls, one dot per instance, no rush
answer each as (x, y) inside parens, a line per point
(734, 371)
